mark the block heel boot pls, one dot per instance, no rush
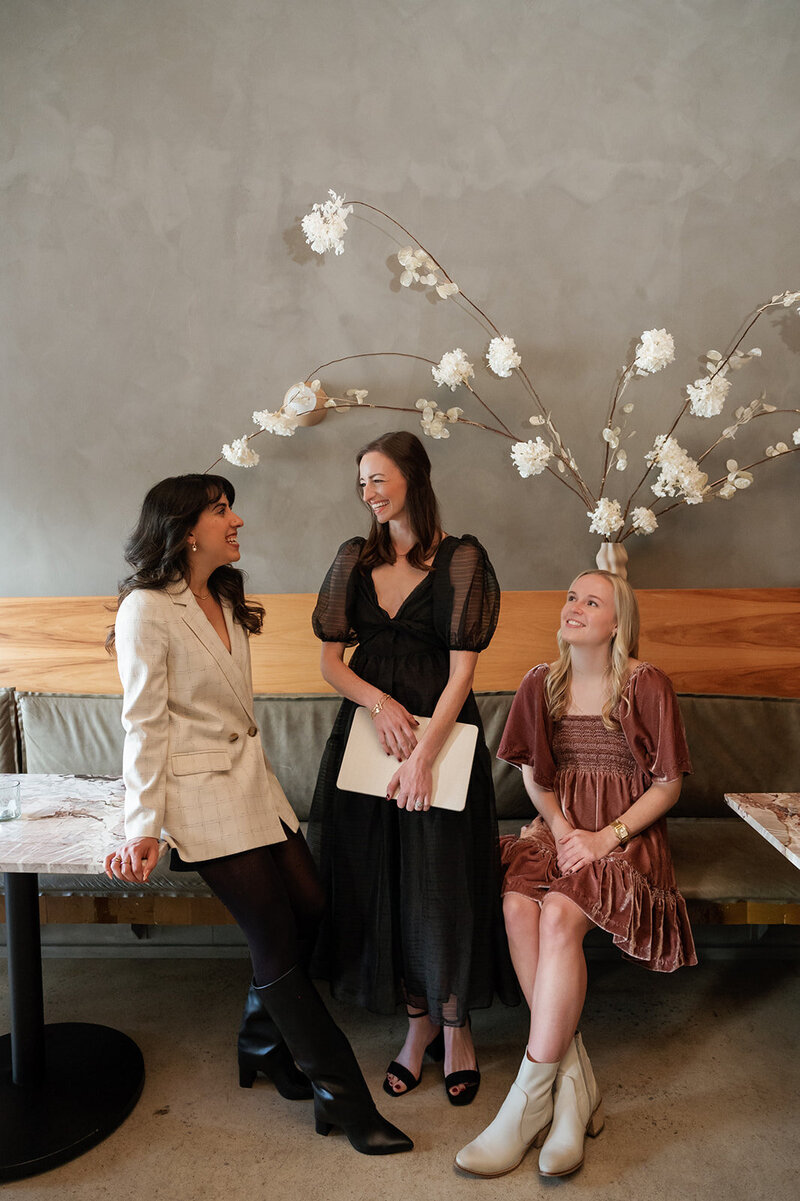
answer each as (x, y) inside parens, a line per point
(262, 1049)
(321, 1050)
(521, 1123)
(577, 1111)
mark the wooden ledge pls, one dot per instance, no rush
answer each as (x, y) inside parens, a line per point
(740, 641)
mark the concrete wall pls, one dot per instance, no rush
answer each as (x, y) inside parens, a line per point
(586, 170)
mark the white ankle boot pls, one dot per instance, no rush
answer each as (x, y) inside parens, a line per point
(578, 1110)
(521, 1123)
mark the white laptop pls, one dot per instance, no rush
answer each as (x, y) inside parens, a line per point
(367, 768)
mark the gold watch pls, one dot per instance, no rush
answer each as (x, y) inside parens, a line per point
(621, 830)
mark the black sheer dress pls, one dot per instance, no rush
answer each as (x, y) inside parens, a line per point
(413, 898)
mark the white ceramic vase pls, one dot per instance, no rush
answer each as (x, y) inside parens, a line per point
(317, 414)
(613, 557)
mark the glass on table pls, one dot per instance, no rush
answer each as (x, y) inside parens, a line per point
(9, 800)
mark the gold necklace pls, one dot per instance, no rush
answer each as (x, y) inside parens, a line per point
(199, 596)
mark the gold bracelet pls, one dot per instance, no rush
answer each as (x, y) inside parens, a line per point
(376, 708)
(621, 831)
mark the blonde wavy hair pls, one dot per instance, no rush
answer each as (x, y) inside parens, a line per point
(624, 646)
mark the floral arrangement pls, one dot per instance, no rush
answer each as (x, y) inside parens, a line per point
(674, 478)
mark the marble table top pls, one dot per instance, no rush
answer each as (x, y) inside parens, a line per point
(68, 824)
(775, 815)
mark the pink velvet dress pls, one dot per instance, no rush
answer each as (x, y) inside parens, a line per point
(597, 774)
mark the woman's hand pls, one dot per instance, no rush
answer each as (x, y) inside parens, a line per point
(578, 848)
(412, 786)
(133, 861)
(396, 726)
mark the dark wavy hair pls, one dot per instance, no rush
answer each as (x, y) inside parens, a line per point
(157, 549)
(411, 459)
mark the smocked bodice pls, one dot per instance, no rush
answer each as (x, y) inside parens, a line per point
(585, 744)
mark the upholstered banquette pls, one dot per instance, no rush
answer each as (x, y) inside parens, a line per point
(728, 642)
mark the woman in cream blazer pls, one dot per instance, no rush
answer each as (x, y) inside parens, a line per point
(195, 770)
(196, 777)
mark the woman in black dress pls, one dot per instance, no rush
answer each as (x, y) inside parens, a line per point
(413, 914)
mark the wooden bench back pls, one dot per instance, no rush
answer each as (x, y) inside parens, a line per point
(745, 642)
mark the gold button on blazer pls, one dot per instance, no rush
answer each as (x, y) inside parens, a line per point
(186, 779)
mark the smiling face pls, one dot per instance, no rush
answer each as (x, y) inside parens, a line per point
(215, 535)
(383, 487)
(589, 616)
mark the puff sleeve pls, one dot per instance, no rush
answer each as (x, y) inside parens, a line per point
(527, 737)
(653, 726)
(330, 619)
(466, 596)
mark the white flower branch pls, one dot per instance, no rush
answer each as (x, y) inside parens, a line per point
(679, 475)
(322, 237)
(784, 299)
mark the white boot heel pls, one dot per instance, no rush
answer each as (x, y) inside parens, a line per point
(522, 1122)
(596, 1122)
(577, 1111)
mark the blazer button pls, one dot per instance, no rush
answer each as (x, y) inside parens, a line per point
(252, 731)
(233, 738)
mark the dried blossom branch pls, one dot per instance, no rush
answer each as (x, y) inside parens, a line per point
(679, 475)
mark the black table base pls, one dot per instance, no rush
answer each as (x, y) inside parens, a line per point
(63, 1087)
(93, 1078)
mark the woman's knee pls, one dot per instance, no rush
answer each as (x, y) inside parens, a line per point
(562, 920)
(521, 915)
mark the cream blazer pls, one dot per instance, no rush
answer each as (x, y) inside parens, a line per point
(194, 768)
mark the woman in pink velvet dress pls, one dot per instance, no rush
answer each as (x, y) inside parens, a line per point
(599, 738)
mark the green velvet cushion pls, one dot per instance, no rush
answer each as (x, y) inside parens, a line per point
(70, 733)
(729, 861)
(294, 730)
(738, 744)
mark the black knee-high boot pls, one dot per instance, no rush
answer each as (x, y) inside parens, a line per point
(341, 1096)
(262, 1049)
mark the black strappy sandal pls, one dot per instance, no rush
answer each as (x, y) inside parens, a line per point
(434, 1051)
(469, 1077)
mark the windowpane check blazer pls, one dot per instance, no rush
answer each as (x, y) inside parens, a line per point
(195, 771)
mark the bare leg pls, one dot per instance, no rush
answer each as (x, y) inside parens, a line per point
(560, 987)
(521, 915)
(421, 1032)
(459, 1053)
(555, 982)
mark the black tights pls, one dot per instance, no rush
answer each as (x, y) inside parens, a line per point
(275, 896)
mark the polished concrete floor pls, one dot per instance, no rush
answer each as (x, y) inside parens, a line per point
(699, 1072)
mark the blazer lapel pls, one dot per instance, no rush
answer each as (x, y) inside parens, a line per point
(201, 627)
(240, 647)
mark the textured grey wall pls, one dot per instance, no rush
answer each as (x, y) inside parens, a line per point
(585, 170)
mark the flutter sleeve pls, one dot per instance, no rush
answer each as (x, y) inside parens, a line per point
(528, 734)
(466, 597)
(330, 619)
(653, 726)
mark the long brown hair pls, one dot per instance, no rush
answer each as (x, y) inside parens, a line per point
(411, 459)
(157, 549)
(624, 645)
